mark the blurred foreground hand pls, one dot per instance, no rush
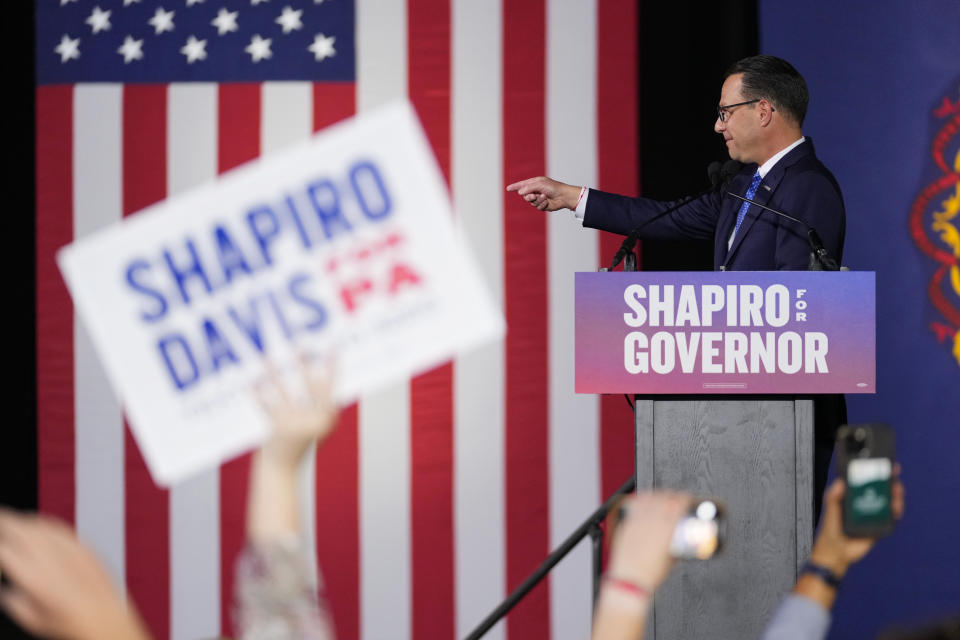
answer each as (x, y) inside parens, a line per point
(639, 561)
(297, 420)
(57, 586)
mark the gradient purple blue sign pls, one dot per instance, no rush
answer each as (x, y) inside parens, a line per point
(733, 332)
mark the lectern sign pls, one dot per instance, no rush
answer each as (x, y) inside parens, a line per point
(733, 332)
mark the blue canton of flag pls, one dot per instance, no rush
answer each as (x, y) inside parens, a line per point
(133, 41)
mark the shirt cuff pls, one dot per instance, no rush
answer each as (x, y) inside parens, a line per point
(798, 618)
(581, 209)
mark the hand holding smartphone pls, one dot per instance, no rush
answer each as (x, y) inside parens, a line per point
(866, 459)
(699, 533)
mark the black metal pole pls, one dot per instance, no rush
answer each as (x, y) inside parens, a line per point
(556, 556)
(596, 540)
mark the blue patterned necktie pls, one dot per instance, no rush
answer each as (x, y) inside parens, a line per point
(752, 191)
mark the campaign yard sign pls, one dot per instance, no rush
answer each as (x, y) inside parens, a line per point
(344, 243)
(726, 332)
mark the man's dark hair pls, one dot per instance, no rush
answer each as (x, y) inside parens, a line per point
(777, 81)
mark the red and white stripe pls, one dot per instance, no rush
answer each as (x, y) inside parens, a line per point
(435, 497)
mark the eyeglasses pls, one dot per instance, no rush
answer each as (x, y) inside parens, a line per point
(722, 109)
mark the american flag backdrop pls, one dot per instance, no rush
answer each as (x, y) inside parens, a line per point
(436, 497)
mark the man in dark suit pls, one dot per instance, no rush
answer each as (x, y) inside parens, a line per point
(760, 115)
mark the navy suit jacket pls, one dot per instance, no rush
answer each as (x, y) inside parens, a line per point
(798, 185)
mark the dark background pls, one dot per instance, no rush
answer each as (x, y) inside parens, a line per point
(18, 484)
(18, 461)
(685, 48)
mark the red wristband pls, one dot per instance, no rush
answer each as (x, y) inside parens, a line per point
(627, 585)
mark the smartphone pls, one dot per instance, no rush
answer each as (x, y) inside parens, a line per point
(700, 533)
(866, 458)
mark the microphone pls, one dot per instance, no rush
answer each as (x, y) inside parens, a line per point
(713, 172)
(729, 170)
(722, 174)
(719, 175)
(820, 260)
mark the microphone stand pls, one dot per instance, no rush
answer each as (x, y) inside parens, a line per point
(719, 175)
(820, 260)
(631, 239)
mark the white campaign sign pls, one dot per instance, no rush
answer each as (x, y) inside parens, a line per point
(344, 243)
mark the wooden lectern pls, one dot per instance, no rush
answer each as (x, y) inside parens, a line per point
(722, 416)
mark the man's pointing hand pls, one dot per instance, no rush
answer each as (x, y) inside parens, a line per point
(546, 194)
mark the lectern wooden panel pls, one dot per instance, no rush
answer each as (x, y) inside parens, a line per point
(756, 454)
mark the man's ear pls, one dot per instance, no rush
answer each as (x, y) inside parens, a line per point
(765, 112)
